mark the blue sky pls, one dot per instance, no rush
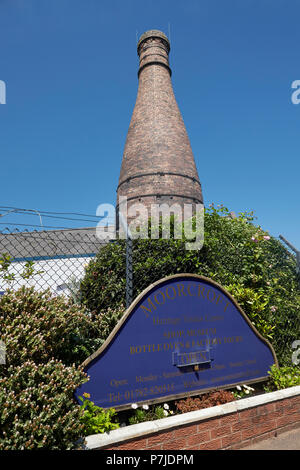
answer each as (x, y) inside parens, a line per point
(70, 68)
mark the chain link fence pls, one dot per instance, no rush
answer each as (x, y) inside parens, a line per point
(46, 259)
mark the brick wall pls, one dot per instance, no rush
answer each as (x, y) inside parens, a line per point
(229, 426)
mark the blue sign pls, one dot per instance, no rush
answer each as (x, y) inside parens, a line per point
(182, 336)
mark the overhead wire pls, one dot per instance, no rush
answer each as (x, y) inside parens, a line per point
(53, 215)
(44, 213)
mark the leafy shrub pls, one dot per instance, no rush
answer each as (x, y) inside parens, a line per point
(107, 320)
(255, 303)
(283, 377)
(204, 401)
(45, 338)
(38, 326)
(104, 284)
(5, 263)
(95, 419)
(37, 409)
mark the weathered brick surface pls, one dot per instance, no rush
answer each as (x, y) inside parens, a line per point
(161, 438)
(231, 439)
(210, 424)
(220, 431)
(215, 444)
(158, 164)
(188, 430)
(199, 438)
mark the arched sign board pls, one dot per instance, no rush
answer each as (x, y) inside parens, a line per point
(184, 335)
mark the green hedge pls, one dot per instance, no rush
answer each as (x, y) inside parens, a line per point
(37, 408)
(46, 340)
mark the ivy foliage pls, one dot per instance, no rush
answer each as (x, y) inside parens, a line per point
(283, 377)
(96, 419)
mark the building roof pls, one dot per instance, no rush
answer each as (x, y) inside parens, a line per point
(51, 243)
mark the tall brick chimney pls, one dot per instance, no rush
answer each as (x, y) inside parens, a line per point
(158, 165)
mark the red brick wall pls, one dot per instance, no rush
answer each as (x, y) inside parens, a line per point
(231, 431)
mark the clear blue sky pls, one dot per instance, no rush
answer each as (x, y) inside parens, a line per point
(70, 68)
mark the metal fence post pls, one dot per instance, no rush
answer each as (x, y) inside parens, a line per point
(129, 270)
(129, 273)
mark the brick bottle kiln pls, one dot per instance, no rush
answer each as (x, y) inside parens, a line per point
(158, 165)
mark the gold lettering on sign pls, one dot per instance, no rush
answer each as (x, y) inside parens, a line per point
(138, 393)
(181, 290)
(168, 294)
(233, 339)
(165, 321)
(181, 333)
(196, 319)
(189, 358)
(189, 291)
(118, 383)
(168, 375)
(214, 318)
(149, 308)
(162, 347)
(204, 331)
(200, 291)
(162, 296)
(148, 378)
(213, 296)
(173, 334)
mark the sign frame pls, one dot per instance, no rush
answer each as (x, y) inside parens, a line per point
(185, 394)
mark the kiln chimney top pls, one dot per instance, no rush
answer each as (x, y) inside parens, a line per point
(153, 33)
